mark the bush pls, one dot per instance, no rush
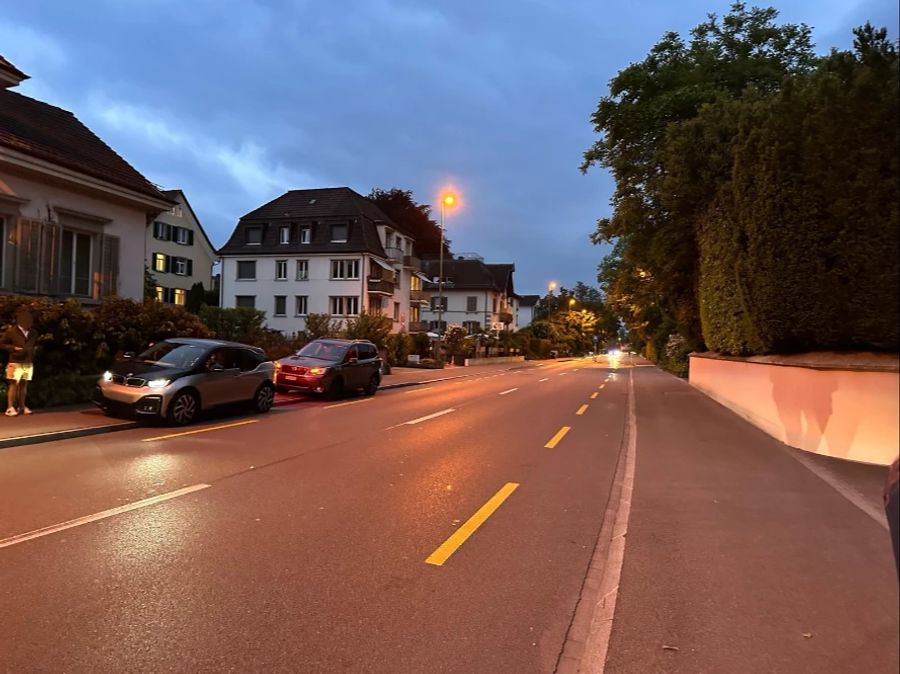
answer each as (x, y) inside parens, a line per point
(373, 327)
(319, 326)
(399, 346)
(238, 324)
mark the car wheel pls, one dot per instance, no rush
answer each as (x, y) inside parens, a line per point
(265, 397)
(335, 389)
(372, 386)
(184, 408)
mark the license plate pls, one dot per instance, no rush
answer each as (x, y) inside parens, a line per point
(290, 377)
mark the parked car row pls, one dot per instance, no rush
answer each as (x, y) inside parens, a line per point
(177, 379)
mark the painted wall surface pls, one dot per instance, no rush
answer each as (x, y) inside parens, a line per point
(841, 413)
(128, 223)
(201, 255)
(457, 308)
(318, 287)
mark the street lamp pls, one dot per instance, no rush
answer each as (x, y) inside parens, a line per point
(571, 302)
(447, 201)
(551, 287)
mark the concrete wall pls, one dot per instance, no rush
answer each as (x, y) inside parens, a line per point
(127, 223)
(826, 405)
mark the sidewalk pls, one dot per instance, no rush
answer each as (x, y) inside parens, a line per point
(81, 420)
(745, 555)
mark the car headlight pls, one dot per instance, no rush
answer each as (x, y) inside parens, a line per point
(158, 383)
(318, 370)
(107, 376)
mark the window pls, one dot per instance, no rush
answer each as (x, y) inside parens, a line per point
(435, 303)
(160, 263)
(472, 303)
(281, 270)
(305, 234)
(254, 236)
(246, 270)
(177, 211)
(302, 270)
(75, 263)
(415, 313)
(284, 235)
(245, 301)
(184, 236)
(344, 269)
(180, 296)
(436, 326)
(160, 294)
(339, 234)
(280, 305)
(250, 360)
(415, 283)
(301, 304)
(472, 327)
(396, 311)
(367, 352)
(181, 266)
(162, 231)
(344, 305)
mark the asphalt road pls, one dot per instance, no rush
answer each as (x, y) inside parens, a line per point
(307, 552)
(428, 529)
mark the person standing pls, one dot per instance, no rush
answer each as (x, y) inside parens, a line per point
(19, 341)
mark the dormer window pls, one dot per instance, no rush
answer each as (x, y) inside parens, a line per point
(284, 235)
(339, 233)
(305, 234)
(254, 236)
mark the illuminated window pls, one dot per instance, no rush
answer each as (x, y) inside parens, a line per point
(160, 263)
(180, 296)
(160, 294)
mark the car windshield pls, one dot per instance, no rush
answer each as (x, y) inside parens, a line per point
(173, 354)
(323, 351)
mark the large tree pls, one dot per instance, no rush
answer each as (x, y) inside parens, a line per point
(645, 100)
(413, 217)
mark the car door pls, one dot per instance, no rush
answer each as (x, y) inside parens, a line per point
(221, 377)
(249, 378)
(352, 369)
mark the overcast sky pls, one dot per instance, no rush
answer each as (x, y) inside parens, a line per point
(237, 102)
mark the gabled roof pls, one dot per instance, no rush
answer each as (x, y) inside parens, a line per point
(316, 208)
(176, 195)
(9, 74)
(473, 274)
(55, 135)
(529, 300)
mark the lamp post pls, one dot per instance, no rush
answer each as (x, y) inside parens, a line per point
(446, 201)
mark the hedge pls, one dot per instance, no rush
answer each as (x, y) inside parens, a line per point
(800, 250)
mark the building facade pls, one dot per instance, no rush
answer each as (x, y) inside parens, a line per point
(323, 251)
(73, 213)
(525, 309)
(178, 252)
(476, 295)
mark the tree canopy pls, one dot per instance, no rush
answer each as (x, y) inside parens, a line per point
(413, 217)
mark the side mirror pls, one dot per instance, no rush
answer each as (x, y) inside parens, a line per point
(128, 355)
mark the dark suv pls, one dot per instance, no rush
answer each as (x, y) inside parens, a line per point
(331, 367)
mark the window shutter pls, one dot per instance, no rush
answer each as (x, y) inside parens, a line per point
(190, 265)
(190, 237)
(109, 265)
(168, 263)
(28, 255)
(49, 272)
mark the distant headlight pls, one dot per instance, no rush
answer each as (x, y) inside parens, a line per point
(107, 376)
(158, 383)
(613, 352)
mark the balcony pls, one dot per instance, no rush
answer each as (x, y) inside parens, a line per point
(418, 326)
(505, 316)
(412, 262)
(419, 296)
(381, 286)
(394, 254)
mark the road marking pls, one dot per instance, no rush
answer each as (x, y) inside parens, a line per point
(54, 528)
(601, 385)
(544, 379)
(594, 395)
(596, 644)
(503, 393)
(461, 535)
(582, 410)
(576, 369)
(560, 434)
(352, 402)
(430, 416)
(563, 374)
(416, 390)
(202, 430)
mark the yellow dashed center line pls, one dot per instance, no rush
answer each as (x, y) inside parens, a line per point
(582, 410)
(560, 434)
(461, 535)
(594, 395)
(352, 402)
(202, 430)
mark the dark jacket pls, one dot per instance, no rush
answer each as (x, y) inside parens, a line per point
(13, 338)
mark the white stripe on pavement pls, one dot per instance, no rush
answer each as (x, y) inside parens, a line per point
(544, 379)
(503, 393)
(54, 528)
(430, 416)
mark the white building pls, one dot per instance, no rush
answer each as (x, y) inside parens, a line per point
(525, 309)
(476, 295)
(73, 213)
(328, 251)
(178, 252)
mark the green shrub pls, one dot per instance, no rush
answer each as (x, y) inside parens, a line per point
(239, 324)
(319, 326)
(399, 346)
(373, 327)
(64, 389)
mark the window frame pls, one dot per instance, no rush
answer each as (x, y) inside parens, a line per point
(237, 270)
(304, 263)
(283, 311)
(331, 234)
(298, 300)
(343, 302)
(253, 228)
(284, 235)
(237, 303)
(341, 266)
(305, 234)
(279, 266)
(472, 304)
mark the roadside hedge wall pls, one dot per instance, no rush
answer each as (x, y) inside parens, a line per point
(800, 250)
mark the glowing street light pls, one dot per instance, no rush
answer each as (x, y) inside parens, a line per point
(551, 287)
(447, 201)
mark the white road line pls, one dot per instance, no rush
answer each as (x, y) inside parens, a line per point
(430, 416)
(352, 402)
(544, 379)
(503, 393)
(563, 374)
(55, 528)
(417, 390)
(597, 642)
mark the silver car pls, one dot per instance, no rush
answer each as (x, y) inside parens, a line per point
(178, 378)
